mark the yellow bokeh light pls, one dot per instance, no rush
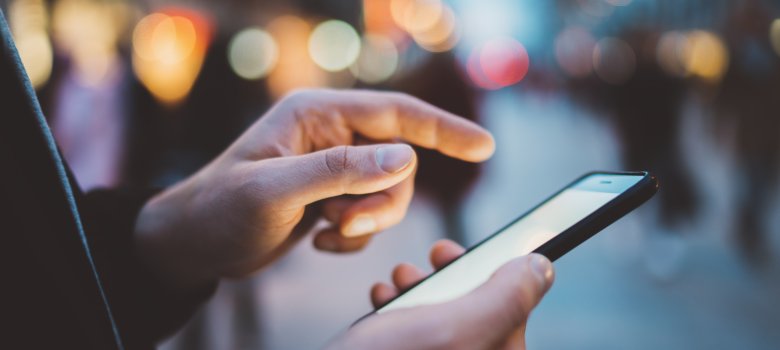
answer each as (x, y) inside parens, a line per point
(774, 35)
(416, 15)
(378, 19)
(88, 31)
(29, 20)
(378, 59)
(334, 45)
(36, 53)
(252, 53)
(440, 37)
(706, 56)
(168, 52)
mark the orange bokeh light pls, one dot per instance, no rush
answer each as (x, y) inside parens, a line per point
(168, 51)
(294, 68)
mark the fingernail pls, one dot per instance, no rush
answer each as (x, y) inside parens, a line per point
(542, 267)
(361, 225)
(393, 158)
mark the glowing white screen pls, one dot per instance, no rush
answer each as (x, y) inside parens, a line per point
(523, 237)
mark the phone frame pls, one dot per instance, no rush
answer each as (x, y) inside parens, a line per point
(580, 232)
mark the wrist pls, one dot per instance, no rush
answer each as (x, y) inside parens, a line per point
(162, 246)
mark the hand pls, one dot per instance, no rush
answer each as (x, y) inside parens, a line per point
(314, 147)
(491, 317)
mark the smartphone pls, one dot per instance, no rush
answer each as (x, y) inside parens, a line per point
(552, 228)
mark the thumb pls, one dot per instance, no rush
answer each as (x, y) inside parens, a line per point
(502, 305)
(340, 170)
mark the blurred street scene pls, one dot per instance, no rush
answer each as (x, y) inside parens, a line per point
(143, 93)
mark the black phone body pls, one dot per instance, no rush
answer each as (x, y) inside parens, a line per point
(552, 228)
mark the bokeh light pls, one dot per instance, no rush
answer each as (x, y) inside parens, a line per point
(28, 21)
(477, 76)
(670, 53)
(574, 51)
(706, 56)
(614, 61)
(431, 23)
(89, 32)
(442, 35)
(498, 63)
(378, 19)
(416, 15)
(774, 35)
(294, 68)
(334, 45)
(252, 53)
(378, 59)
(168, 52)
(596, 8)
(504, 61)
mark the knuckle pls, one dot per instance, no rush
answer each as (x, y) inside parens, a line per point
(337, 160)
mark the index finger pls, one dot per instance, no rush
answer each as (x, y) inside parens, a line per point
(387, 115)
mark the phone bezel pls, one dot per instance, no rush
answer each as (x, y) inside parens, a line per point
(578, 233)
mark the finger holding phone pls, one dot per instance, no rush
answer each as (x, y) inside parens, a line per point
(492, 316)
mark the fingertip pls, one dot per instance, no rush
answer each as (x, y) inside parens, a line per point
(362, 224)
(531, 273)
(392, 158)
(406, 275)
(444, 251)
(483, 147)
(377, 211)
(331, 240)
(543, 270)
(381, 293)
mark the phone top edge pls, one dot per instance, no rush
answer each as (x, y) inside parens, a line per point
(622, 204)
(608, 183)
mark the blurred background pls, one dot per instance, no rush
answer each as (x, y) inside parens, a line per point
(143, 93)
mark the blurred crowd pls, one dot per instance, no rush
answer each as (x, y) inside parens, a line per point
(143, 93)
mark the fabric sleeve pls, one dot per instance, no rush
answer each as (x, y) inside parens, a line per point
(145, 311)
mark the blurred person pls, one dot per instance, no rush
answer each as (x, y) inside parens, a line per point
(746, 109)
(645, 111)
(121, 269)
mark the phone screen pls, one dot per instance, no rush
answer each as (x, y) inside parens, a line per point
(522, 237)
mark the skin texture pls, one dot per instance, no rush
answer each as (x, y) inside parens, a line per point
(338, 155)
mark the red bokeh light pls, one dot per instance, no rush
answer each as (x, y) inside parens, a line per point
(498, 63)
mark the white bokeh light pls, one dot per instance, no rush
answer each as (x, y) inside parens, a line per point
(378, 60)
(334, 45)
(252, 53)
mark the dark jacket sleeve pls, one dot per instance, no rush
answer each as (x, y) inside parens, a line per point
(144, 310)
